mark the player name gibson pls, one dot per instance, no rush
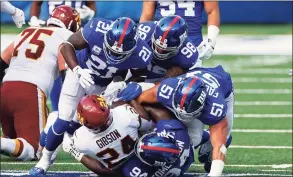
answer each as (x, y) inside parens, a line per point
(109, 138)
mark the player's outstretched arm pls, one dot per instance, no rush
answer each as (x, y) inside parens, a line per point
(148, 11)
(149, 96)
(158, 112)
(218, 135)
(213, 13)
(74, 42)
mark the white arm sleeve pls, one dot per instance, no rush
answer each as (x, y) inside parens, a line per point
(7, 7)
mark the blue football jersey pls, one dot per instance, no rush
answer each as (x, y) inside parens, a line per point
(94, 57)
(73, 4)
(191, 11)
(219, 86)
(167, 128)
(185, 58)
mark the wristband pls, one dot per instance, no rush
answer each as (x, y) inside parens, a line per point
(213, 32)
(76, 154)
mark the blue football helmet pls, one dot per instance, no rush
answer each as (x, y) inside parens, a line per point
(170, 33)
(120, 40)
(155, 150)
(189, 98)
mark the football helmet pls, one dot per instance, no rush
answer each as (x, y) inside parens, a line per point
(155, 150)
(94, 113)
(189, 98)
(65, 17)
(170, 33)
(120, 40)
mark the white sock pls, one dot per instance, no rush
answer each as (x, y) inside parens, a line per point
(18, 148)
(11, 146)
(45, 160)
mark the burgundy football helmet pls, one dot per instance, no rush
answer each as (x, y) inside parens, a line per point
(94, 113)
(65, 17)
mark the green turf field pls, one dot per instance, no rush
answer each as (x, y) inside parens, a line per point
(262, 137)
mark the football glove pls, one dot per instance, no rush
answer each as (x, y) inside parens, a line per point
(112, 91)
(86, 13)
(18, 18)
(35, 22)
(69, 147)
(205, 50)
(84, 76)
(132, 91)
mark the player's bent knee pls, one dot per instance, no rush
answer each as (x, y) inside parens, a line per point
(50, 121)
(28, 152)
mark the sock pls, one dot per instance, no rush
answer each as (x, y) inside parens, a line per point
(13, 147)
(55, 93)
(72, 127)
(18, 148)
(43, 139)
(55, 134)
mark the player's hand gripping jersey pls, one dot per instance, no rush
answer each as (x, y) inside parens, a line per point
(35, 57)
(218, 88)
(169, 129)
(94, 57)
(114, 145)
(185, 58)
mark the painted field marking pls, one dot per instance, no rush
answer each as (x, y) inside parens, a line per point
(263, 103)
(278, 170)
(194, 165)
(54, 173)
(261, 80)
(260, 147)
(260, 131)
(252, 71)
(263, 116)
(263, 91)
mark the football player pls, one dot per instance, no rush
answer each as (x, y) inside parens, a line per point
(174, 53)
(191, 11)
(167, 151)
(33, 60)
(17, 14)
(107, 49)
(86, 10)
(203, 96)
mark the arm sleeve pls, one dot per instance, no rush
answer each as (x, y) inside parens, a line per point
(87, 30)
(7, 7)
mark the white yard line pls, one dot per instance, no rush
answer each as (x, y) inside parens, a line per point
(263, 91)
(253, 71)
(278, 170)
(263, 103)
(260, 131)
(260, 147)
(261, 80)
(263, 116)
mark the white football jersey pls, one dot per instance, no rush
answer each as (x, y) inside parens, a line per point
(35, 56)
(114, 145)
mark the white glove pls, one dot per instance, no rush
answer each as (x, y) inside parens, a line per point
(85, 13)
(35, 22)
(112, 90)
(84, 76)
(18, 18)
(205, 50)
(69, 147)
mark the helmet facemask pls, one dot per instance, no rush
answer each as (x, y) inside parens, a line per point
(115, 53)
(162, 51)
